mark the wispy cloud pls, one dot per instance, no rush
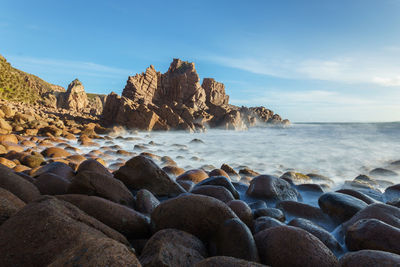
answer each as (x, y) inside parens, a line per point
(67, 66)
(362, 70)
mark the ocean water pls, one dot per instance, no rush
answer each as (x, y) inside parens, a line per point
(340, 151)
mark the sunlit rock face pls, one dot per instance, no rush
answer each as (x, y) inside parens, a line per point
(176, 100)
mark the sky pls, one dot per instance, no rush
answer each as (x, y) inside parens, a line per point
(309, 61)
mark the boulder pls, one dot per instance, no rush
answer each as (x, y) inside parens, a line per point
(215, 92)
(93, 166)
(195, 214)
(96, 184)
(357, 194)
(271, 188)
(220, 181)
(218, 192)
(55, 152)
(58, 228)
(195, 175)
(370, 258)
(142, 173)
(58, 168)
(146, 202)
(171, 247)
(9, 205)
(269, 212)
(373, 234)
(385, 213)
(17, 185)
(339, 206)
(319, 232)
(298, 248)
(242, 210)
(128, 222)
(234, 239)
(51, 184)
(262, 223)
(392, 193)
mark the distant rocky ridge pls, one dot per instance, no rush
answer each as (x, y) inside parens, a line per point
(150, 101)
(176, 100)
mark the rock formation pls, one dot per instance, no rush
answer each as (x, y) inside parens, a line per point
(176, 100)
(75, 98)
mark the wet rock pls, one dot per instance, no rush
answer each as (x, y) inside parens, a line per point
(58, 228)
(187, 185)
(224, 261)
(385, 213)
(298, 248)
(128, 222)
(242, 210)
(32, 161)
(171, 247)
(195, 214)
(296, 177)
(318, 178)
(195, 175)
(55, 152)
(382, 172)
(248, 172)
(9, 205)
(311, 188)
(271, 188)
(319, 232)
(262, 223)
(373, 234)
(357, 194)
(294, 209)
(8, 138)
(339, 206)
(218, 192)
(17, 185)
(220, 181)
(234, 239)
(392, 193)
(146, 202)
(370, 258)
(51, 184)
(173, 170)
(218, 172)
(58, 168)
(142, 173)
(8, 163)
(230, 171)
(95, 184)
(269, 212)
(260, 204)
(93, 166)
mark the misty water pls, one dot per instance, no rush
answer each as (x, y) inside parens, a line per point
(340, 151)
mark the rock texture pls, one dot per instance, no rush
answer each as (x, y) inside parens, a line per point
(175, 99)
(75, 98)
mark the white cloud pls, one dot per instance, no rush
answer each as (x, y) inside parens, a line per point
(379, 70)
(66, 66)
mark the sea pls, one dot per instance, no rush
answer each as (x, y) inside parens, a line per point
(340, 151)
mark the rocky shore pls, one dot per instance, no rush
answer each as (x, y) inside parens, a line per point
(119, 206)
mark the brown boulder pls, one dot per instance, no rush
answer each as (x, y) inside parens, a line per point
(146, 202)
(93, 166)
(265, 222)
(271, 188)
(17, 185)
(373, 234)
(51, 184)
(195, 175)
(8, 138)
(298, 248)
(9, 205)
(55, 152)
(195, 214)
(234, 239)
(127, 221)
(370, 258)
(58, 228)
(319, 232)
(58, 168)
(183, 249)
(96, 184)
(242, 210)
(218, 192)
(142, 173)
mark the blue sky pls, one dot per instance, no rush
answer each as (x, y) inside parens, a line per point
(311, 60)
